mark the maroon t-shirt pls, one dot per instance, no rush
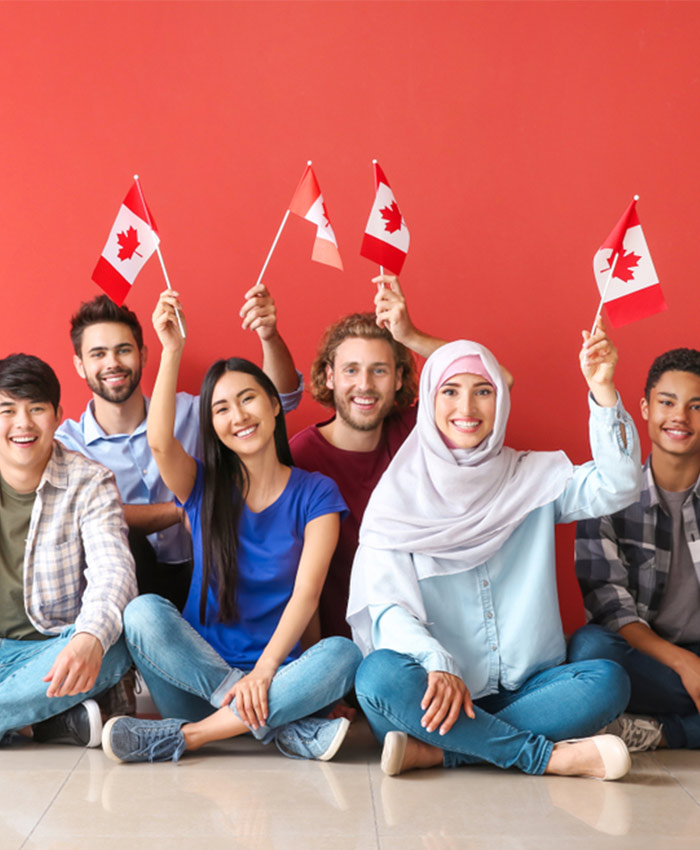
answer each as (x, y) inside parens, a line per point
(356, 474)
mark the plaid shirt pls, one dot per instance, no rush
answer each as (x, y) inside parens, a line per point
(623, 560)
(78, 568)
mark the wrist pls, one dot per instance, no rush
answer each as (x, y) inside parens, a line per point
(604, 394)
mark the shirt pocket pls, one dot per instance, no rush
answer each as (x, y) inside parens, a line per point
(58, 575)
(644, 576)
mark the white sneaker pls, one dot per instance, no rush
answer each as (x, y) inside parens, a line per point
(638, 732)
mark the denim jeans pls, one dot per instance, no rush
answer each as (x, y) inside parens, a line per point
(23, 665)
(656, 689)
(186, 676)
(511, 728)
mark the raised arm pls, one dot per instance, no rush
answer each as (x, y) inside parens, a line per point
(320, 539)
(176, 467)
(392, 314)
(259, 314)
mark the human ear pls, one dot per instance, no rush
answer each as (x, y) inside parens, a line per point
(329, 377)
(78, 364)
(644, 407)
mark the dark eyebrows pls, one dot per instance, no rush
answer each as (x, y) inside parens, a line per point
(7, 403)
(371, 365)
(238, 395)
(474, 386)
(675, 397)
(96, 348)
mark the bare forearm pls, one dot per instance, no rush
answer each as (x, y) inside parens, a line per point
(152, 518)
(161, 413)
(421, 343)
(646, 640)
(278, 364)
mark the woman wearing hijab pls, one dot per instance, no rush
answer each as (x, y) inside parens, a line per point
(453, 596)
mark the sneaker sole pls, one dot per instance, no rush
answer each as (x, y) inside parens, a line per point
(106, 742)
(95, 722)
(338, 739)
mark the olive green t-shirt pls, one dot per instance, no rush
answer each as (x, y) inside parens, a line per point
(15, 513)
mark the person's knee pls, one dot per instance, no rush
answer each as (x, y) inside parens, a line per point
(590, 642)
(345, 653)
(614, 684)
(143, 615)
(381, 673)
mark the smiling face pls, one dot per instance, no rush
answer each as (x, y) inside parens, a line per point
(110, 361)
(26, 439)
(364, 380)
(243, 415)
(465, 410)
(673, 414)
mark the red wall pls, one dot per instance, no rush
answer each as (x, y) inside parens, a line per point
(514, 135)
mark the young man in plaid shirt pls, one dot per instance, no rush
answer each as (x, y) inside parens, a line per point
(66, 572)
(639, 570)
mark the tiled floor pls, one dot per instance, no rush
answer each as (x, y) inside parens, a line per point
(241, 795)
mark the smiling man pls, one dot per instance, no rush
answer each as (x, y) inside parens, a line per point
(66, 572)
(365, 371)
(639, 570)
(110, 355)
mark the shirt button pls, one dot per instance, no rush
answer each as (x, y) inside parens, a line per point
(144, 471)
(494, 647)
(484, 583)
(490, 615)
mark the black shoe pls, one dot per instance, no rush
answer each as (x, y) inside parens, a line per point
(80, 725)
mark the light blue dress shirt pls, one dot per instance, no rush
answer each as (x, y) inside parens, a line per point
(131, 460)
(499, 624)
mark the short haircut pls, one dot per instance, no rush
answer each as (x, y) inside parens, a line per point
(27, 377)
(102, 309)
(362, 326)
(676, 360)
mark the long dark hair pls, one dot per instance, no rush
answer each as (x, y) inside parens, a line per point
(226, 485)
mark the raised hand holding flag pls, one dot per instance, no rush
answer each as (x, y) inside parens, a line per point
(625, 274)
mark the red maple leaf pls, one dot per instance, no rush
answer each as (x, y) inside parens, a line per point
(625, 266)
(129, 242)
(325, 215)
(392, 217)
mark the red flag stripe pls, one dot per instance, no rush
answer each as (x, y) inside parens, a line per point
(306, 193)
(629, 219)
(382, 253)
(134, 202)
(638, 305)
(109, 279)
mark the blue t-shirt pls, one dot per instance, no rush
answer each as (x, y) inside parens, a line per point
(269, 548)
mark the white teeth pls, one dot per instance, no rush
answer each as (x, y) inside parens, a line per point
(23, 440)
(467, 423)
(677, 433)
(245, 432)
(364, 402)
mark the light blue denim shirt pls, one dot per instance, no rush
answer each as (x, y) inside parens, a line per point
(499, 624)
(130, 459)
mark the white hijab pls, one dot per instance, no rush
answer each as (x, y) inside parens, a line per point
(459, 505)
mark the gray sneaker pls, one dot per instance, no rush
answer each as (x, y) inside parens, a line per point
(80, 726)
(312, 738)
(638, 732)
(135, 739)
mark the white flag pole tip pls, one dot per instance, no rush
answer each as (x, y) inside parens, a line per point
(308, 162)
(374, 162)
(136, 177)
(636, 197)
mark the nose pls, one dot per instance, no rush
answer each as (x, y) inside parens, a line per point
(366, 379)
(22, 419)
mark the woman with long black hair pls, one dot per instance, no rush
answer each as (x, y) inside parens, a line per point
(263, 534)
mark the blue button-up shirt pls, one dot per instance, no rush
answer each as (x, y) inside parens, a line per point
(499, 624)
(130, 459)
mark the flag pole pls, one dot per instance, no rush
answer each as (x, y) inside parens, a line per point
(605, 292)
(160, 256)
(275, 241)
(607, 284)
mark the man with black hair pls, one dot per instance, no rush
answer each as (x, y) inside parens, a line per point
(639, 570)
(66, 572)
(109, 356)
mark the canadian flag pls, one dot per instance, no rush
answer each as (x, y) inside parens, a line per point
(132, 240)
(386, 236)
(308, 203)
(633, 292)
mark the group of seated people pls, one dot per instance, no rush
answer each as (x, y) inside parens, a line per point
(397, 555)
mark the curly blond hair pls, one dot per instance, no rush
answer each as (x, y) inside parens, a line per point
(364, 326)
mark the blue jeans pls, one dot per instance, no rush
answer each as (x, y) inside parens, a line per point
(23, 665)
(187, 677)
(511, 728)
(656, 689)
